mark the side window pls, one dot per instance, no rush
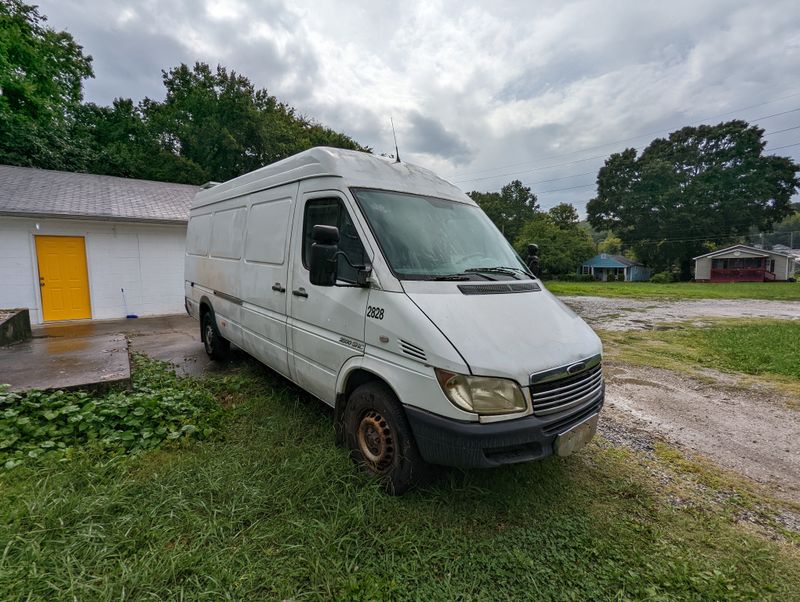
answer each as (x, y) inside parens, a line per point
(227, 231)
(198, 235)
(331, 212)
(267, 227)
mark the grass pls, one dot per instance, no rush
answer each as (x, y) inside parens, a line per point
(785, 291)
(764, 348)
(273, 509)
(157, 406)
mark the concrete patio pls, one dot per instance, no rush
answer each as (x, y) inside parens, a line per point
(94, 354)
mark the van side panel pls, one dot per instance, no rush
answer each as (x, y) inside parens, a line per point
(237, 258)
(264, 275)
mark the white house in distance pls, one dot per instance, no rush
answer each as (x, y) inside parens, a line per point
(743, 263)
(79, 246)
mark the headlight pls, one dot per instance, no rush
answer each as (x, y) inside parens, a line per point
(481, 394)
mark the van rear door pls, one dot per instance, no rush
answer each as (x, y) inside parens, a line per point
(326, 324)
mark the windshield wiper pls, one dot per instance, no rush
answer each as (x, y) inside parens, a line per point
(500, 269)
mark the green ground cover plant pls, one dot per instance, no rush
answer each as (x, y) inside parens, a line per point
(769, 348)
(783, 291)
(273, 509)
(157, 407)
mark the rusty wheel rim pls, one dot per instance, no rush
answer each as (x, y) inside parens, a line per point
(376, 442)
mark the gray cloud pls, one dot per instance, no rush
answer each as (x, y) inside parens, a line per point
(484, 92)
(428, 136)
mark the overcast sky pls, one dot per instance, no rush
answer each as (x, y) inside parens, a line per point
(481, 93)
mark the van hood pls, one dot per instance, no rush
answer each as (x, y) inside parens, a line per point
(510, 335)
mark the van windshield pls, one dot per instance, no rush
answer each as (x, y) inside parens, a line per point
(426, 238)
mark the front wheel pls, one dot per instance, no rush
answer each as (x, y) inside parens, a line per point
(380, 440)
(216, 346)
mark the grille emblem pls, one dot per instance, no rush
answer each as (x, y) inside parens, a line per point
(575, 368)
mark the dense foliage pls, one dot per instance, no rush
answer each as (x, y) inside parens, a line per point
(563, 242)
(563, 245)
(41, 75)
(158, 407)
(510, 208)
(700, 187)
(213, 124)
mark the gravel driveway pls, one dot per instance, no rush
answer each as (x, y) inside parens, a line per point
(614, 313)
(746, 428)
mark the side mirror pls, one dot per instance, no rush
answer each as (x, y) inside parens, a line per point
(323, 262)
(533, 259)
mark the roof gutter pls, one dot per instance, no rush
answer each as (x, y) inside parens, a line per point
(97, 218)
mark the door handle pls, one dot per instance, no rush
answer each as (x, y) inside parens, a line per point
(41, 281)
(277, 287)
(300, 292)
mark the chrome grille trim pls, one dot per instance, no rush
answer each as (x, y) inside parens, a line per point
(560, 391)
(538, 378)
(557, 395)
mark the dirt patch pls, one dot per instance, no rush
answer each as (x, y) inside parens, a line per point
(646, 314)
(749, 430)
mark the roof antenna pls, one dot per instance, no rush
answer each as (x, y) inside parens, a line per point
(396, 151)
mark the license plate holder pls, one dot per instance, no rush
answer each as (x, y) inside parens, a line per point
(575, 438)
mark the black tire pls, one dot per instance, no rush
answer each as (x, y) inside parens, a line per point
(217, 347)
(380, 440)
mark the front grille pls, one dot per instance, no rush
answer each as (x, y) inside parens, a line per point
(562, 394)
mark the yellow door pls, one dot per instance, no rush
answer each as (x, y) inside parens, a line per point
(63, 279)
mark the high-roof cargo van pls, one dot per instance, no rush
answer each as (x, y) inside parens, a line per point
(387, 293)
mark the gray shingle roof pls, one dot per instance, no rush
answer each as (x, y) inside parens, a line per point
(26, 191)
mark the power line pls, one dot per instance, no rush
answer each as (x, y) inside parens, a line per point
(514, 173)
(575, 175)
(780, 147)
(797, 127)
(762, 118)
(569, 188)
(600, 157)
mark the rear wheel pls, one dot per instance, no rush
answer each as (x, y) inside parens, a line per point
(216, 346)
(380, 440)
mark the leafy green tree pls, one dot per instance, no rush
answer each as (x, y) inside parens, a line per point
(218, 120)
(562, 246)
(41, 75)
(510, 208)
(564, 215)
(213, 124)
(610, 244)
(787, 232)
(700, 186)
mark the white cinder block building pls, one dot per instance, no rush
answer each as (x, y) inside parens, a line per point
(80, 246)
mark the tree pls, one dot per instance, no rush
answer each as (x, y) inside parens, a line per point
(562, 247)
(41, 75)
(610, 244)
(213, 124)
(786, 232)
(700, 186)
(563, 215)
(510, 208)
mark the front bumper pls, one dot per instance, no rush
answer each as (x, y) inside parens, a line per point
(473, 444)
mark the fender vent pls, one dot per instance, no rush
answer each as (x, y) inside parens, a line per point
(499, 288)
(412, 350)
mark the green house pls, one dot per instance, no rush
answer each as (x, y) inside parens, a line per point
(615, 267)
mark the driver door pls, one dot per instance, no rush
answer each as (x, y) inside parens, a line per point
(326, 323)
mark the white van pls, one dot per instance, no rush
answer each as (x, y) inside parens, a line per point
(387, 293)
